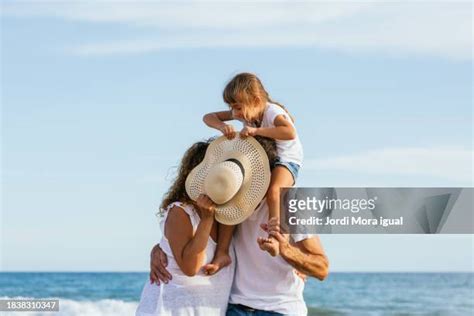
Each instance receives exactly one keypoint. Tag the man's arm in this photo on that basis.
(307, 256)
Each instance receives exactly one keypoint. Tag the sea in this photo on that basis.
(111, 293)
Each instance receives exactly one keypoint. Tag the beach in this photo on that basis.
(342, 293)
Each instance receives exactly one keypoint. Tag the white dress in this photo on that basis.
(199, 295)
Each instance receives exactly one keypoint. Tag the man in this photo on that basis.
(263, 285)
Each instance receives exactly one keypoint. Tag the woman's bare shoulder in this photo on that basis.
(178, 222)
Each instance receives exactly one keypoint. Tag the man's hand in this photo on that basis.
(273, 229)
(307, 256)
(158, 264)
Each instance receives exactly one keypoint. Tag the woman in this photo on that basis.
(189, 241)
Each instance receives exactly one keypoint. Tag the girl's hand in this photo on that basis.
(206, 206)
(228, 131)
(248, 131)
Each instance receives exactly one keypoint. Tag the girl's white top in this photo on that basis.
(184, 295)
(287, 150)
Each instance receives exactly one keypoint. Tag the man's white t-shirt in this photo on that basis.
(262, 281)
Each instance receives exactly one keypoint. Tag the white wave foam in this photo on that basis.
(107, 307)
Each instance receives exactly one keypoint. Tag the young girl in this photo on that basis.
(189, 241)
(251, 104)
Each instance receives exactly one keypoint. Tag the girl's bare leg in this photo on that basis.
(281, 177)
(221, 256)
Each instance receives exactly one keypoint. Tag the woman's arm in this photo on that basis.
(189, 250)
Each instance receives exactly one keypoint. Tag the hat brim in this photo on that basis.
(255, 183)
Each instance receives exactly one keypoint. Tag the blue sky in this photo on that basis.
(101, 99)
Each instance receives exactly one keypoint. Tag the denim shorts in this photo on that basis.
(241, 310)
(292, 167)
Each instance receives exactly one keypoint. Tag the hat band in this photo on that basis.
(238, 164)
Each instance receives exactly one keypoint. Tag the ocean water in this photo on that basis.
(340, 294)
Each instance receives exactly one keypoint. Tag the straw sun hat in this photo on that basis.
(235, 174)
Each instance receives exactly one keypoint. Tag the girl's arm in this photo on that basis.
(216, 119)
(283, 130)
(188, 250)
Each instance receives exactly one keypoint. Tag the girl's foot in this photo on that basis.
(220, 261)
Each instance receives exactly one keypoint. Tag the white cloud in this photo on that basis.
(435, 28)
(187, 14)
(445, 163)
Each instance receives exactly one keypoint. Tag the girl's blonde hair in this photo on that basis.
(247, 90)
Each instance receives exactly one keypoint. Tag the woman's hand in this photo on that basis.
(228, 131)
(248, 131)
(206, 206)
(158, 263)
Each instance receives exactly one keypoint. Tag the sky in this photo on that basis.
(100, 99)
